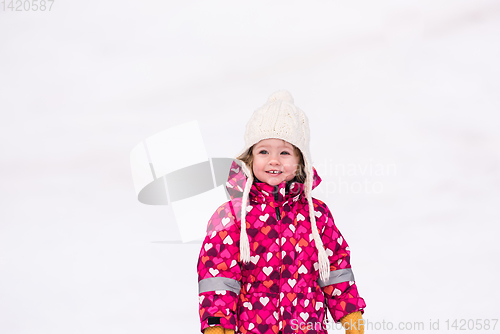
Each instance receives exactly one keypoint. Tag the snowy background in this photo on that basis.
(403, 101)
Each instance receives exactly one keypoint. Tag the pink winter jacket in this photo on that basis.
(279, 290)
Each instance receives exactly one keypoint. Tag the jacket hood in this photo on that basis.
(261, 191)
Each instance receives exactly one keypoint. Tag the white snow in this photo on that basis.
(403, 103)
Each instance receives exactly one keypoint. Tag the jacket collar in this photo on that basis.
(262, 192)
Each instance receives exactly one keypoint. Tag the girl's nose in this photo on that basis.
(274, 161)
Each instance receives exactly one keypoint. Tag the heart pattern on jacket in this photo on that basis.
(279, 284)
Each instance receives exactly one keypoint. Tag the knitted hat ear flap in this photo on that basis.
(323, 261)
(244, 242)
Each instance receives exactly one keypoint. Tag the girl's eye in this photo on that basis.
(263, 152)
(285, 152)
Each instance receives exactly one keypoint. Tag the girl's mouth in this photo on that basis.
(273, 172)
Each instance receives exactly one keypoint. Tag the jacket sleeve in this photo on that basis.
(341, 293)
(219, 271)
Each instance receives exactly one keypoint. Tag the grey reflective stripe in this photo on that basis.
(338, 276)
(219, 283)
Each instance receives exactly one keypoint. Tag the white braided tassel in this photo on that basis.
(323, 260)
(244, 242)
(244, 246)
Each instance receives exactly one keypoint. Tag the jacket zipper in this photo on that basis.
(278, 216)
(276, 209)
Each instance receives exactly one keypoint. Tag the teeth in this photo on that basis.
(273, 172)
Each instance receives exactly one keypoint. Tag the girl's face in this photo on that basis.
(274, 161)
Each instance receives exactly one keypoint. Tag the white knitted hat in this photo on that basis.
(279, 118)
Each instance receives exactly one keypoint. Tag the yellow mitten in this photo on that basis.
(217, 330)
(353, 323)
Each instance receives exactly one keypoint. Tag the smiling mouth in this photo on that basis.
(273, 172)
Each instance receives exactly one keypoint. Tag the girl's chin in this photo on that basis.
(273, 182)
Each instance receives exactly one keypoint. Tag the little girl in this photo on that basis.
(273, 260)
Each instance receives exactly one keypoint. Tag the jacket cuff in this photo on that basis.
(218, 308)
(343, 299)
